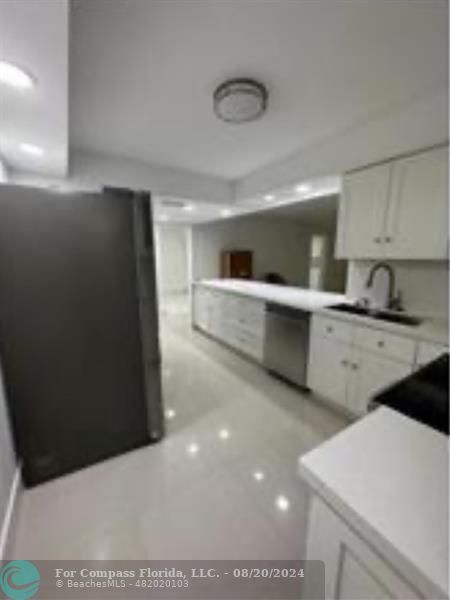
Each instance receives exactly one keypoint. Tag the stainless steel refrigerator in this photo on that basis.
(79, 339)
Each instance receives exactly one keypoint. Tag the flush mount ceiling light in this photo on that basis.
(15, 77)
(240, 100)
(269, 197)
(32, 150)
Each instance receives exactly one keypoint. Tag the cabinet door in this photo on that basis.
(199, 308)
(427, 352)
(418, 209)
(362, 213)
(352, 570)
(327, 370)
(371, 373)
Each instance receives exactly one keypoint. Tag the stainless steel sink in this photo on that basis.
(381, 315)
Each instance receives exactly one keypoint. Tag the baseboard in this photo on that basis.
(7, 525)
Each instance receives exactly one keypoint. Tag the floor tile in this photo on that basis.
(222, 484)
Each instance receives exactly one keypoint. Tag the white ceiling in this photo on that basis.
(143, 73)
(315, 206)
(315, 213)
(182, 211)
(34, 35)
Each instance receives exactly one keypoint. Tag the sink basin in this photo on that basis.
(400, 318)
(381, 315)
(352, 309)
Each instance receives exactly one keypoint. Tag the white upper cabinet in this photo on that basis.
(362, 213)
(416, 226)
(396, 210)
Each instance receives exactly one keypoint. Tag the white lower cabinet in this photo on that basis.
(427, 352)
(236, 321)
(350, 373)
(369, 375)
(353, 571)
(327, 372)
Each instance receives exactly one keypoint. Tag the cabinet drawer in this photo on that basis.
(245, 341)
(387, 344)
(336, 330)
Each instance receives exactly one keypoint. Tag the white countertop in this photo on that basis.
(433, 330)
(296, 297)
(387, 476)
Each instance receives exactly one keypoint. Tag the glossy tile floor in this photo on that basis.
(223, 484)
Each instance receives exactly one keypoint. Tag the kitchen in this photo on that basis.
(268, 378)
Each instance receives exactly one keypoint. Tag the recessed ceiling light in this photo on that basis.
(303, 188)
(15, 77)
(32, 149)
(258, 475)
(189, 207)
(269, 197)
(226, 212)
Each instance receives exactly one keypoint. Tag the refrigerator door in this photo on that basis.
(70, 329)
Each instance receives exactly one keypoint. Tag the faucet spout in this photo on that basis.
(392, 301)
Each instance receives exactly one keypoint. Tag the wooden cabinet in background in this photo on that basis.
(236, 264)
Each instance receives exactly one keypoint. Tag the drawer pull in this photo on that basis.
(330, 329)
(380, 344)
(388, 239)
(355, 366)
(344, 363)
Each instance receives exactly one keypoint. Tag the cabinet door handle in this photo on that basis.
(344, 363)
(380, 344)
(388, 239)
(355, 366)
(330, 329)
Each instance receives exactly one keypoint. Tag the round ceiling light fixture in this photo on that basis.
(240, 100)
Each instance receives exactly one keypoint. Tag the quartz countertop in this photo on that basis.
(387, 476)
(434, 330)
(296, 297)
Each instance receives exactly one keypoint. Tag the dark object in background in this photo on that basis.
(423, 395)
(274, 278)
(236, 264)
(79, 329)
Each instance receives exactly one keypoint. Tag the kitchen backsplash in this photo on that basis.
(424, 285)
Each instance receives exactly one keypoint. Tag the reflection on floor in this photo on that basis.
(223, 484)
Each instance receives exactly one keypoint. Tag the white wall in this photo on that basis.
(172, 269)
(424, 284)
(88, 168)
(7, 461)
(278, 246)
(3, 171)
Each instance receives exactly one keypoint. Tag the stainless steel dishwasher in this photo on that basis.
(286, 342)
